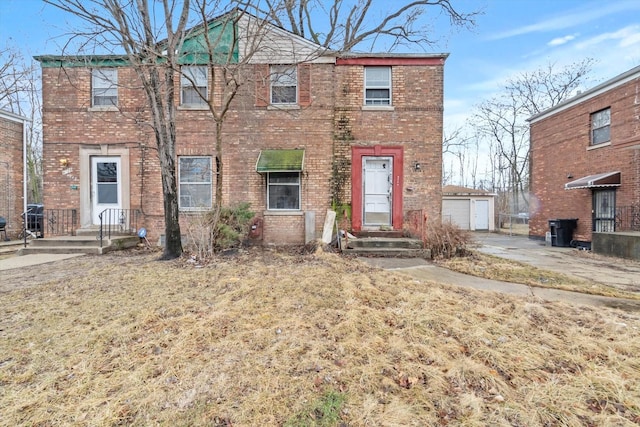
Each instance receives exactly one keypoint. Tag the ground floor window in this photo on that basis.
(195, 183)
(283, 191)
(604, 210)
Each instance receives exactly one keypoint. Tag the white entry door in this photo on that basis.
(377, 180)
(482, 214)
(106, 185)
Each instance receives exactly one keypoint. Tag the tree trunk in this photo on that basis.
(219, 166)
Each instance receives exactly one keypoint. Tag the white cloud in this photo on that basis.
(587, 13)
(625, 37)
(561, 40)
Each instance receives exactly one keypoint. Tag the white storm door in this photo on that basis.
(377, 180)
(106, 185)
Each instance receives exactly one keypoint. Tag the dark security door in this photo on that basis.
(604, 210)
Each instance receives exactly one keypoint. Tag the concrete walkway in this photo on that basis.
(535, 253)
(13, 261)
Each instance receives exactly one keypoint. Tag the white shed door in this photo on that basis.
(482, 214)
(458, 212)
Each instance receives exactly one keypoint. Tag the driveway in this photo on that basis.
(624, 274)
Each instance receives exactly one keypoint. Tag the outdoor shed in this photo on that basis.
(468, 208)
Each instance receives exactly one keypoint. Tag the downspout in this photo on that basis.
(24, 167)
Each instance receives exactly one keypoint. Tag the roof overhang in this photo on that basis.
(601, 180)
(280, 161)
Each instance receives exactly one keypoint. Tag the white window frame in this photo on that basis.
(104, 87)
(208, 181)
(271, 185)
(194, 78)
(380, 84)
(284, 76)
(600, 120)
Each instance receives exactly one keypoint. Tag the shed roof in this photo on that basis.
(457, 190)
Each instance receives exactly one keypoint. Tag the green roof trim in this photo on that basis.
(55, 61)
(194, 51)
(280, 161)
(222, 34)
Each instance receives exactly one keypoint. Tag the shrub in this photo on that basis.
(231, 226)
(447, 240)
(217, 230)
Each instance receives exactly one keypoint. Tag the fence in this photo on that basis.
(513, 223)
(627, 218)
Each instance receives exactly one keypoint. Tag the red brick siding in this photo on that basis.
(11, 176)
(250, 126)
(560, 147)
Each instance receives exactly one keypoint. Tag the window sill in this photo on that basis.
(601, 145)
(193, 107)
(189, 211)
(105, 108)
(275, 107)
(378, 108)
(283, 213)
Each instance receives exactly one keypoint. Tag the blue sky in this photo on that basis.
(512, 36)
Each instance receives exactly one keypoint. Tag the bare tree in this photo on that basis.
(19, 94)
(151, 45)
(349, 24)
(13, 78)
(502, 121)
(547, 87)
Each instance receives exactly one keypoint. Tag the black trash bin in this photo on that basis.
(35, 219)
(562, 231)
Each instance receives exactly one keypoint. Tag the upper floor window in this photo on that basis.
(284, 84)
(195, 183)
(283, 191)
(193, 85)
(377, 86)
(601, 126)
(104, 87)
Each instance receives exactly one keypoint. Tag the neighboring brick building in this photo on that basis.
(362, 130)
(12, 204)
(585, 160)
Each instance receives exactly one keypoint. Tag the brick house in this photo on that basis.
(362, 131)
(585, 157)
(12, 190)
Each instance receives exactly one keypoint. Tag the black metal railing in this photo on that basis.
(60, 222)
(118, 222)
(627, 218)
(38, 222)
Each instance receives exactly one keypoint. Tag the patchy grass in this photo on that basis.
(269, 339)
(491, 267)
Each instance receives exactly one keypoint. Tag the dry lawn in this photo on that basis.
(260, 338)
(491, 267)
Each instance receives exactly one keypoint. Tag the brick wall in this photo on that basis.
(561, 152)
(11, 175)
(330, 121)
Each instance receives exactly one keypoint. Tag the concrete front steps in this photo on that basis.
(82, 244)
(385, 244)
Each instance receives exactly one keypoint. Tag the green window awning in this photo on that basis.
(280, 161)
